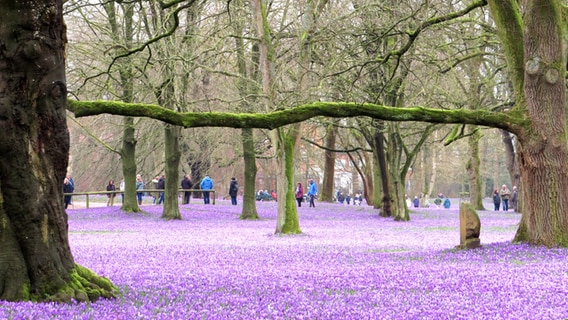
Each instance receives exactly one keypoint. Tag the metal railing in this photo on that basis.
(92, 193)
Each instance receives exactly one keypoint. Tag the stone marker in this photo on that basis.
(470, 227)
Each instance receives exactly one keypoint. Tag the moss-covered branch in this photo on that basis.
(510, 121)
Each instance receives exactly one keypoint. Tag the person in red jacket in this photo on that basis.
(299, 194)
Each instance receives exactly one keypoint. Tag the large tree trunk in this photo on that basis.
(543, 154)
(35, 259)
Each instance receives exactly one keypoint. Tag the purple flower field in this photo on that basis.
(348, 264)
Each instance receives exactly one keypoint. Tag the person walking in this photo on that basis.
(447, 203)
(233, 190)
(312, 192)
(299, 194)
(67, 188)
(505, 196)
(186, 184)
(139, 188)
(161, 187)
(110, 187)
(206, 184)
(155, 194)
(496, 200)
(514, 198)
(72, 183)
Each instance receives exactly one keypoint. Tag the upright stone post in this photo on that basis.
(470, 227)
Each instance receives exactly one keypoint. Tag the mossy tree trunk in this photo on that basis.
(249, 158)
(35, 257)
(287, 221)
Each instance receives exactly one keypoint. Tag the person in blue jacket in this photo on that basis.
(206, 184)
(312, 192)
(447, 203)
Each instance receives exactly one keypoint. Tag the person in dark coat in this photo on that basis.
(67, 188)
(496, 199)
(110, 187)
(233, 190)
(161, 186)
(416, 202)
(186, 184)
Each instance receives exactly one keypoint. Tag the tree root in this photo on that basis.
(84, 285)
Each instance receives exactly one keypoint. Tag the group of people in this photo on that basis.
(504, 196)
(311, 194)
(440, 201)
(159, 183)
(342, 199)
(264, 195)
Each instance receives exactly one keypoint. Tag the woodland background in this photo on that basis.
(132, 50)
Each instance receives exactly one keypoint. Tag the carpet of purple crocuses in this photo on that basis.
(347, 264)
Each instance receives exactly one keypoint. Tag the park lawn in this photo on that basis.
(348, 264)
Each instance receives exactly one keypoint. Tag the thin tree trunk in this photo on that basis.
(128, 157)
(173, 156)
(472, 168)
(512, 164)
(384, 178)
(128, 151)
(327, 189)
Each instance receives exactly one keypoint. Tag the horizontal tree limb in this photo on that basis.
(509, 120)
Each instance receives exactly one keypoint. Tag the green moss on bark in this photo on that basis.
(83, 285)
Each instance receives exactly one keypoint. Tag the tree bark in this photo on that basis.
(128, 151)
(35, 260)
(249, 200)
(128, 157)
(543, 153)
(472, 169)
(381, 158)
(327, 189)
(287, 221)
(173, 156)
